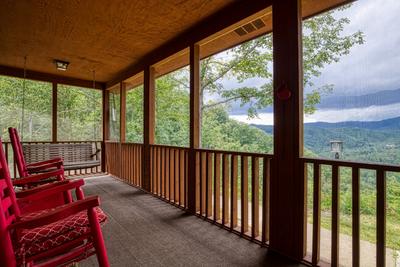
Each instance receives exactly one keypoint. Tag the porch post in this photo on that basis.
(194, 123)
(54, 113)
(106, 127)
(122, 123)
(288, 190)
(148, 123)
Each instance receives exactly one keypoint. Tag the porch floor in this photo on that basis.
(145, 231)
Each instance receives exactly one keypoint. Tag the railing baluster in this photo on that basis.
(162, 167)
(335, 216)
(356, 216)
(167, 193)
(133, 160)
(182, 178)
(380, 217)
(234, 195)
(266, 191)
(217, 187)
(201, 174)
(225, 189)
(186, 177)
(316, 214)
(209, 185)
(152, 173)
(244, 195)
(198, 181)
(176, 174)
(135, 165)
(172, 175)
(138, 166)
(158, 159)
(255, 197)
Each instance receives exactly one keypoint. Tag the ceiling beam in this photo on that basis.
(46, 77)
(224, 18)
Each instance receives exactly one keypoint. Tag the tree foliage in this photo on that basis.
(324, 42)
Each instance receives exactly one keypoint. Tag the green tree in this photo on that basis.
(324, 42)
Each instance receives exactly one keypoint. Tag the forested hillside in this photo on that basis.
(374, 141)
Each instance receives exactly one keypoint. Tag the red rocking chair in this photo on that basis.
(54, 166)
(51, 237)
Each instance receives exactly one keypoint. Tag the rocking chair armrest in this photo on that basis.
(53, 160)
(59, 188)
(37, 177)
(45, 166)
(57, 213)
(40, 188)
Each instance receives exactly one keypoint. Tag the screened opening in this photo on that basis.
(115, 109)
(134, 113)
(236, 98)
(351, 104)
(27, 106)
(79, 114)
(172, 104)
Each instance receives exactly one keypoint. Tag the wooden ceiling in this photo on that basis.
(92, 34)
(115, 37)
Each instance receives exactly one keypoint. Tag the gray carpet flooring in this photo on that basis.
(145, 231)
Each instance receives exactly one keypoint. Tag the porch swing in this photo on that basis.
(75, 156)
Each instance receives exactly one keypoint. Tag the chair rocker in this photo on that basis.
(53, 166)
(50, 237)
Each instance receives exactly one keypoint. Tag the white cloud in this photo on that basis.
(372, 66)
(372, 113)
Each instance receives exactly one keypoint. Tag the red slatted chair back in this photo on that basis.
(18, 152)
(9, 211)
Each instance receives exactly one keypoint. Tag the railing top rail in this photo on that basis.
(171, 147)
(58, 142)
(132, 143)
(356, 164)
(238, 153)
(111, 142)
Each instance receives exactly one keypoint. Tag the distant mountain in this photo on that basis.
(376, 141)
(393, 123)
(381, 98)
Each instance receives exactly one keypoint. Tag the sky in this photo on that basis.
(371, 67)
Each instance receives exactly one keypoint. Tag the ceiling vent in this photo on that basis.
(250, 27)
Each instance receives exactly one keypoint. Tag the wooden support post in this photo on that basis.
(287, 221)
(122, 123)
(54, 114)
(194, 123)
(148, 123)
(122, 117)
(106, 127)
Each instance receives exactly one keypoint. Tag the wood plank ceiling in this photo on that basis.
(112, 37)
(97, 34)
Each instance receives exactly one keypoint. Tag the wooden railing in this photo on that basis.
(169, 173)
(380, 175)
(13, 168)
(232, 190)
(125, 161)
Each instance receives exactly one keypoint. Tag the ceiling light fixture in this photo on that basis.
(61, 65)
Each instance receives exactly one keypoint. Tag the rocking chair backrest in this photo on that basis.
(9, 211)
(18, 152)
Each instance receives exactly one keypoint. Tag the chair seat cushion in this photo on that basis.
(36, 240)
